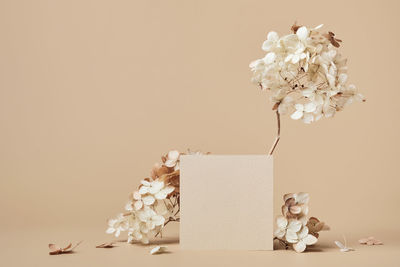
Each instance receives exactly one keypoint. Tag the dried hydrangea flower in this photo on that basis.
(295, 206)
(305, 74)
(301, 239)
(293, 228)
(154, 204)
(286, 226)
(172, 159)
(117, 225)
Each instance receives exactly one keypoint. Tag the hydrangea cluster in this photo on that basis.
(153, 204)
(305, 73)
(293, 228)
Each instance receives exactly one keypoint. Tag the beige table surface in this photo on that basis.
(28, 247)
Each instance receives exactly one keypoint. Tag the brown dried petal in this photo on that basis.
(71, 249)
(163, 170)
(169, 176)
(67, 247)
(287, 196)
(313, 220)
(375, 241)
(54, 247)
(319, 226)
(334, 42)
(295, 27)
(314, 234)
(295, 209)
(106, 245)
(290, 202)
(325, 227)
(154, 170)
(55, 250)
(285, 210)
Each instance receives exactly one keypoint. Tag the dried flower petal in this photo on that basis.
(158, 250)
(106, 245)
(370, 241)
(295, 209)
(55, 250)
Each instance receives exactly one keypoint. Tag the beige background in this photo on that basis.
(93, 92)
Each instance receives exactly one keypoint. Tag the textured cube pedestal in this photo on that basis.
(226, 202)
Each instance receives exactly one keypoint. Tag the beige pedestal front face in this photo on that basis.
(226, 202)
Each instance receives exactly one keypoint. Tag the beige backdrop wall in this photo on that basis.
(93, 92)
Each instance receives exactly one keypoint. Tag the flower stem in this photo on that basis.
(278, 137)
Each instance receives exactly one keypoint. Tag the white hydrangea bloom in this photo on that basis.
(172, 159)
(148, 207)
(305, 74)
(155, 203)
(301, 239)
(286, 227)
(115, 226)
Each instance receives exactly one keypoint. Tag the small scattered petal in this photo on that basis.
(158, 250)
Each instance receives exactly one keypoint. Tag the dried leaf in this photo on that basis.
(106, 245)
(55, 250)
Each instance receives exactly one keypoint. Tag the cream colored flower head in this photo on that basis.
(305, 74)
(155, 202)
(301, 239)
(172, 159)
(296, 206)
(117, 225)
